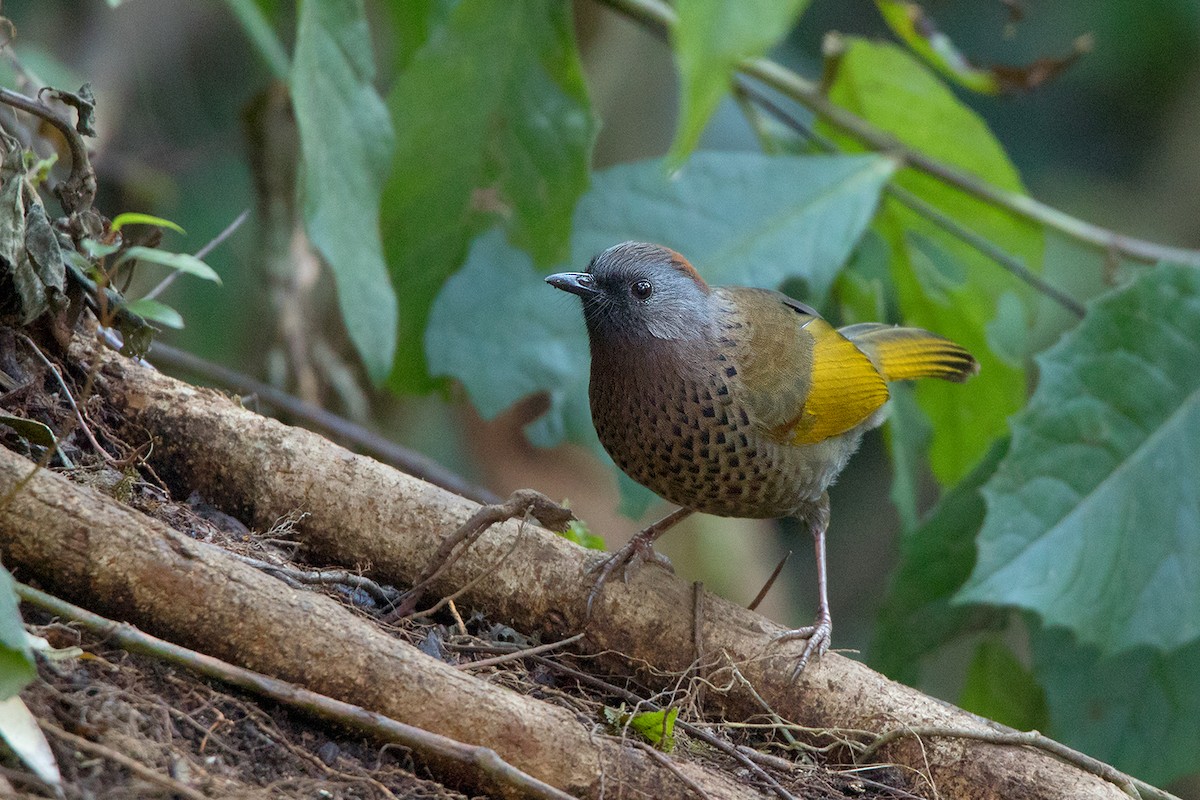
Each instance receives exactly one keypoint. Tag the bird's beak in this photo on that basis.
(580, 283)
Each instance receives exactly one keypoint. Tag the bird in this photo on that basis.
(735, 401)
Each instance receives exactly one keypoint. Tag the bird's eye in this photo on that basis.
(642, 289)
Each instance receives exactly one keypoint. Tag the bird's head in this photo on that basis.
(634, 290)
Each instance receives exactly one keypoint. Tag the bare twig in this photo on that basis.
(325, 422)
(79, 190)
(134, 766)
(458, 620)
(521, 503)
(701, 663)
(657, 14)
(1127, 783)
(449, 599)
(517, 655)
(37, 351)
(762, 593)
(321, 577)
(661, 758)
(213, 244)
(473, 759)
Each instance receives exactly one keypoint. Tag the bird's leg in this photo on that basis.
(819, 633)
(638, 550)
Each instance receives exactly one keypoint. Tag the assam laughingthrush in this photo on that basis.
(734, 401)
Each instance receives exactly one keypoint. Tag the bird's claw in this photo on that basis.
(632, 556)
(819, 635)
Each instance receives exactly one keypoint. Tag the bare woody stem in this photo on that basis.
(79, 190)
(809, 94)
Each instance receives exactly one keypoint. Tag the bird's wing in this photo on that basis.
(804, 382)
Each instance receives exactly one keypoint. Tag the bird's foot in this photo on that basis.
(637, 552)
(819, 635)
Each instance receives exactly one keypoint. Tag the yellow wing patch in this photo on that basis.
(846, 388)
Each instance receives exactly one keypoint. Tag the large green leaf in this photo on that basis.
(908, 434)
(1093, 518)
(1139, 711)
(16, 660)
(936, 558)
(346, 143)
(941, 282)
(744, 218)
(999, 687)
(710, 39)
(493, 122)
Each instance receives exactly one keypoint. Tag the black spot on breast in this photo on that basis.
(730, 371)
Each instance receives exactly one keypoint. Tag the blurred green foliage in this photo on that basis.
(1089, 523)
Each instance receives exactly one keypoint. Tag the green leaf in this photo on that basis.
(30, 429)
(908, 433)
(942, 283)
(137, 218)
(743, 218)
(154, 311)
(258, 29)
(710, 39)
(493, 123)
(181, 262)
(1139, 711)
(656, 727)
(917, 616)
(1093, 516)
(909, 21)
(579, 533)
(346, 143)
(999, 687)
(95, 250)
(917, 29)
(16, 661)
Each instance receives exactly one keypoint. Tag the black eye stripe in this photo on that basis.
(641, 289)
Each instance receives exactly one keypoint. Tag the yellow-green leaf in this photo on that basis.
(710, 39)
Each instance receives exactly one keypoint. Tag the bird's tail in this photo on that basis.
(902, 354)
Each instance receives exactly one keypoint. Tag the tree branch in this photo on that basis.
(809, 94)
